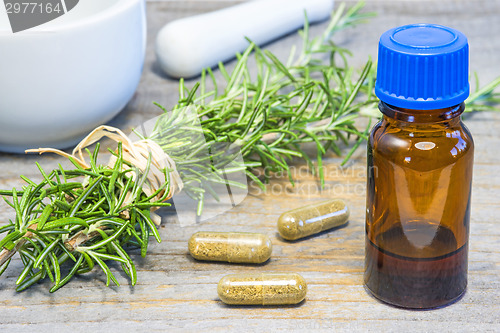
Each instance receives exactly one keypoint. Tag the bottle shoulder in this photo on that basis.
(426, 145)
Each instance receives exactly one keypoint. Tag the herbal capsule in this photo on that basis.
(311, 219)
(237, 247)
(262, 289)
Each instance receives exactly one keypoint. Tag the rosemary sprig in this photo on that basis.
(76, 219)
(484, 98)
(270, 114)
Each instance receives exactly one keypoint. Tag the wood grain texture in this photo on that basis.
(176, 292)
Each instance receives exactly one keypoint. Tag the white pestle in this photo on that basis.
(184, 47)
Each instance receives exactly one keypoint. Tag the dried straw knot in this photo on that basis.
(136, 153)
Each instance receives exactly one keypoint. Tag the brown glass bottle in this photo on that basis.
(418, 201)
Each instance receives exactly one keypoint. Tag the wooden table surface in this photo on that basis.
(175, 291)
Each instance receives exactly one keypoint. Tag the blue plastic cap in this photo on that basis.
(423, 67)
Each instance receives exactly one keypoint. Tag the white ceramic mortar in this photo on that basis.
(61, 79)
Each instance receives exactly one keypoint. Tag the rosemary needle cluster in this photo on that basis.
(75, 219)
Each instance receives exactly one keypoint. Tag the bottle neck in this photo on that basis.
(450, 114)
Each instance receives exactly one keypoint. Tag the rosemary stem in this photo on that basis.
(79, 238)
(6, 254)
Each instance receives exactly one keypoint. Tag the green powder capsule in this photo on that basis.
(236, 247)
(262, 289)
(312, 219)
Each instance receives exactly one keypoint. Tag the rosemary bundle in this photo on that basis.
(85, 216)
(75, 219)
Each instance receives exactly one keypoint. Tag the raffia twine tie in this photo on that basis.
(134, 152)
